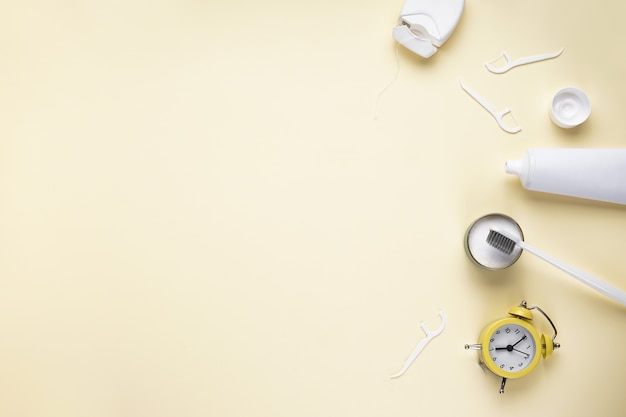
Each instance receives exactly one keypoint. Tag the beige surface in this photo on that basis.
(201, 215)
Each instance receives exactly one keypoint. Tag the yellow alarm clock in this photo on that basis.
(511, 347)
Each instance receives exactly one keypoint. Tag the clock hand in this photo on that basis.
(523, 353)
(511, 348)
(516, 343)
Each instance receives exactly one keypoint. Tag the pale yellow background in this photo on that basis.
(202, 212)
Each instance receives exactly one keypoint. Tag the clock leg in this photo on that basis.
(502, 384)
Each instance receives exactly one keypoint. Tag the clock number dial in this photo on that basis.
(512, 348)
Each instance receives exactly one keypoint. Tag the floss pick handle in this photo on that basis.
(430, 335)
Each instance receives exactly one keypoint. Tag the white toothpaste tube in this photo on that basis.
(595, 174)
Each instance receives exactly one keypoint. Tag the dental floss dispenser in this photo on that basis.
(424, 25)
(595, 174)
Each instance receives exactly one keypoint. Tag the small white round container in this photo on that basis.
(482, 253)
(570, 107)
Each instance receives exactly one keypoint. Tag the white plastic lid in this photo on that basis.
(570, 107)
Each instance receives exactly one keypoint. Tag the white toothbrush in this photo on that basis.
(506, 242)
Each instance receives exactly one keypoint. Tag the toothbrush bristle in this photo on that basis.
(500, 242)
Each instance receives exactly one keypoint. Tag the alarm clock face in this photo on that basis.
(511, 349)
